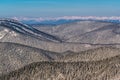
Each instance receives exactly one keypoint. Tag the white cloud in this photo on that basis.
(68, 18)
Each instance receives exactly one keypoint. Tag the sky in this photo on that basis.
(57, 8)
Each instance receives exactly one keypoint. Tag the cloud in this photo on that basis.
(68, 18)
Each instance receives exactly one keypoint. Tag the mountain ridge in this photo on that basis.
(107, 69)
(25, 29)
(14, 56)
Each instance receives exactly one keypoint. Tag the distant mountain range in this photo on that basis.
(91, 32)
(47, 22)
(64, 20)
(74, 36)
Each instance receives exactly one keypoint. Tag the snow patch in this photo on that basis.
(117, 35)
(13, 34)
(6, 30)
(1, 36)
(87, 45)
(3, 33)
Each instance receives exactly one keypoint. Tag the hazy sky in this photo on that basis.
(54, 8)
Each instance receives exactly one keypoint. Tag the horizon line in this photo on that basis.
(66, 18)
